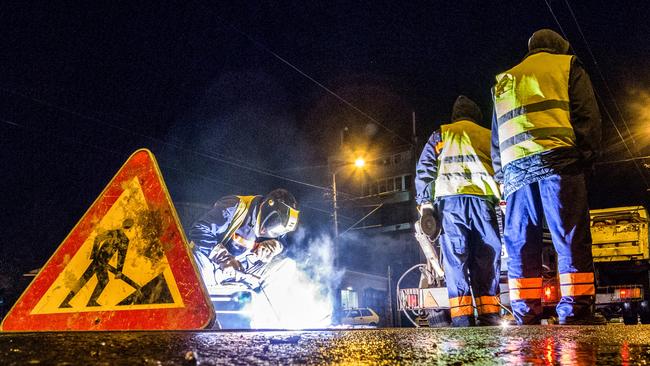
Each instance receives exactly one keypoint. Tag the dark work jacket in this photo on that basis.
(209, 230)
(586, 123)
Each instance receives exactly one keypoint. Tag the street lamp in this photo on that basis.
(358, 163)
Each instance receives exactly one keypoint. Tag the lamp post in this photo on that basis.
(335, 208)
(358, 163)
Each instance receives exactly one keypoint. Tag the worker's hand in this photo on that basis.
(267, 249)
(229, 265)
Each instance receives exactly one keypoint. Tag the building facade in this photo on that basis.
(375, 211)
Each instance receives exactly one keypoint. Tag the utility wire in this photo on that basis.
(623, 160)
(611, 95)
(298, 70)
(363, 218)
(110, 151)
(609, 90)
(219, 157)
(600, 99)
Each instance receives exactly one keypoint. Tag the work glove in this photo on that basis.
(229, 264)
(267, 249)
(226, 262)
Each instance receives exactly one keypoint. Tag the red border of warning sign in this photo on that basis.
(197, 313)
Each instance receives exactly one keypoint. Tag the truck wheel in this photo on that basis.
(644, 312)
(645, 318)
(630, 319)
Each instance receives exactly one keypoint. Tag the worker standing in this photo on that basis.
(454, 178)
(546, 131)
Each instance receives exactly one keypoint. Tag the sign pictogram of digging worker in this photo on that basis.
(105, 247)
(120, 265)
(125, 265)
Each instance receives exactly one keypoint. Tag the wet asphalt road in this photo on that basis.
(543, 345)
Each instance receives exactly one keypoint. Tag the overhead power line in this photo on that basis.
(328, 90)
(212, 156)
(110, 151)
(600, 99)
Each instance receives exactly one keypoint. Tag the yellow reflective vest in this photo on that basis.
(531, 102)
(464, 163)
(241, 211)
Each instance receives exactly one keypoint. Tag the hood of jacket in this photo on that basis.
(549, 41)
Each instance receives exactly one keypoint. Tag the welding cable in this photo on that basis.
(397, 288)
(501, 304)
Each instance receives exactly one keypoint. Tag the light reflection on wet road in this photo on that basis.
(537, 345)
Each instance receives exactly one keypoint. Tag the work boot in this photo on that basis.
(591, 319)
(463, 321)
(486, 320)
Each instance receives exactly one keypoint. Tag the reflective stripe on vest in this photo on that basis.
(461, 306)
(577, 284)
(464, 164)
(525, 288)
(531, 102)
(487, 304)
(238, 219)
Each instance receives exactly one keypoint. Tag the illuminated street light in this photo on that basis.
(359, 163)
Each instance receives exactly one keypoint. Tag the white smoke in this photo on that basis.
(299, 293)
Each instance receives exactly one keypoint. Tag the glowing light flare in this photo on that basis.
(550, 294)
(360, 162)
(549, 352)
(291, 300)
(547, 293)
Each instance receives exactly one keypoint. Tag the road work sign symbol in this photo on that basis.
(125, 266)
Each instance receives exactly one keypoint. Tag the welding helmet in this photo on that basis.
(277, 214)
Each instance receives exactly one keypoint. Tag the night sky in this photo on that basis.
(221, 91)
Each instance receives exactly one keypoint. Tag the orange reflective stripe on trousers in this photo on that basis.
(577, 284)
(461, 306)
(487, 304)
(525, 288)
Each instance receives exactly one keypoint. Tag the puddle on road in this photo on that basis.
(543, 345)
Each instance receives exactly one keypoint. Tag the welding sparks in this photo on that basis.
(298, 293)
(291, 300)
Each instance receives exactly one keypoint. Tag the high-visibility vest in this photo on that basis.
(531, 101)
(241, 211)
(464, 164)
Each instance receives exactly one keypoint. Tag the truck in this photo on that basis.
(621, 252)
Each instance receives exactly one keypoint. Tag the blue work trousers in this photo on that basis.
(471, 253)
(562, 201)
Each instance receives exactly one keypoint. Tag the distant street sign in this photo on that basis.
(125, 266)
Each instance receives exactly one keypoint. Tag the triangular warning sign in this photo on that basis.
(125, 266)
